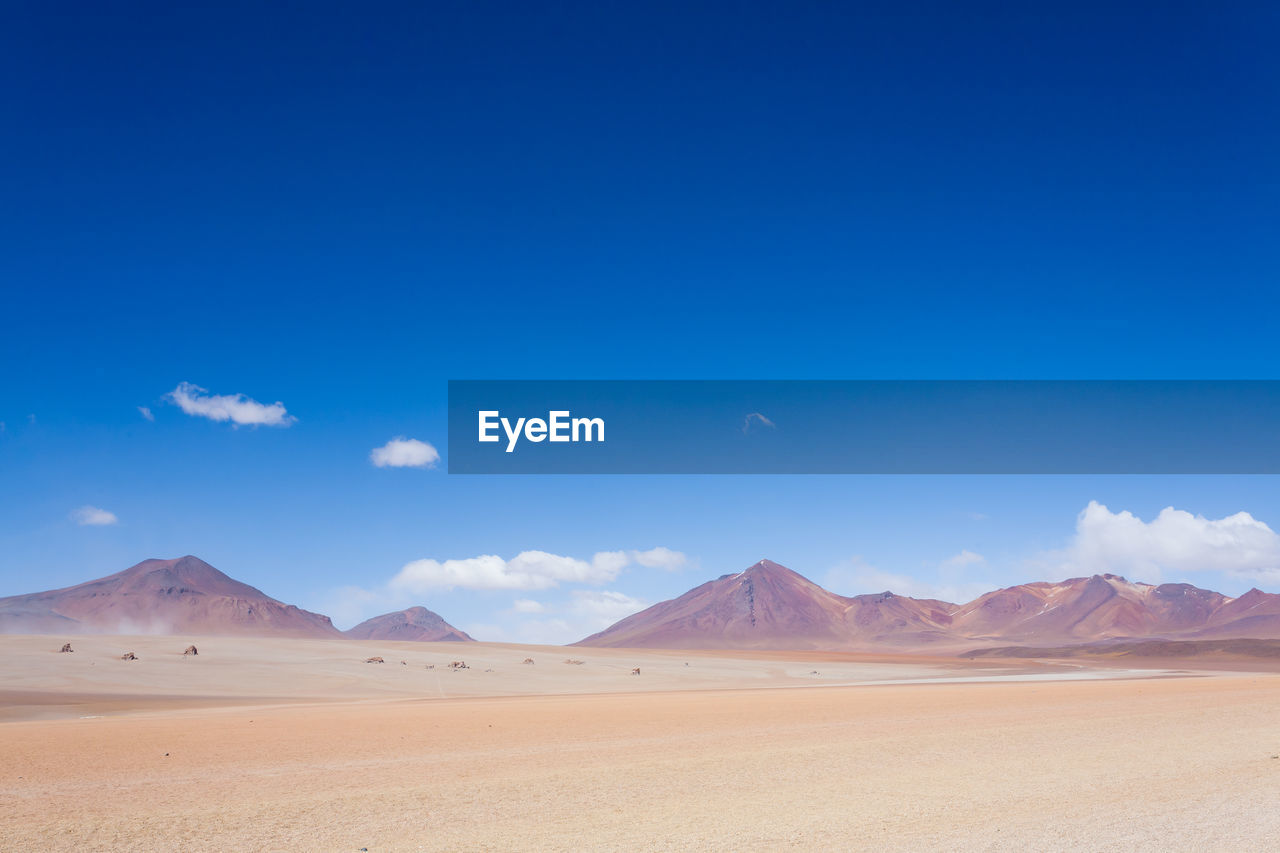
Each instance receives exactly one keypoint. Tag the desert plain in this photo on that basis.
(281, 744)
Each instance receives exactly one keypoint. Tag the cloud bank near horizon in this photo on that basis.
(419, 581)
(1175, 541)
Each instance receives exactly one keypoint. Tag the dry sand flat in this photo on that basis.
(1159, 764)
(38, 682)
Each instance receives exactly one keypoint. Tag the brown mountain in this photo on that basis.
(416, 623)
(768, 606)
(186, 595)
(1089, 609)
(771, 607)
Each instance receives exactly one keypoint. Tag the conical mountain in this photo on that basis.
(768, 606)
(184, 595)
(416, 623)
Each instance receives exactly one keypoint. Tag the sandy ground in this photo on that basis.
(299, 745)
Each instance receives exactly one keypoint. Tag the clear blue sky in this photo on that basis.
(341, 208)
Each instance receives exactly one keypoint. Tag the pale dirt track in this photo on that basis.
(1154, 764)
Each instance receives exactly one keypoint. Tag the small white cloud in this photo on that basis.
(601, 608)
(660, 558)
(528, 605)
(92, 516)
(237, 408)
(146, 413)
(964, 558)
(1174, 541)
(756, 418)
(610, 562)
(401, 452)
(857, 577)
(587, 612)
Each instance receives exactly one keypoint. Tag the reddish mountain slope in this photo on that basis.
(1086, 610)
(1254, 614)
(416, 623)
(185, 595)
(771, 607)
(768, 606)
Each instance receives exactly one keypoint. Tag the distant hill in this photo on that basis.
(1240, 648)
(768, 606)
(416, 623)
(185, 595)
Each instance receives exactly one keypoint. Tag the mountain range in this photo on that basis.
(768, 606)
(188, 596)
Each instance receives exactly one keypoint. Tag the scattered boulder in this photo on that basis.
(66, 647)
(190, 650)
(635, 670)
(374, 659)
(128, 656)
(458, 664)
(527, 660)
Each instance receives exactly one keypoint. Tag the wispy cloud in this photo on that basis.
(92, 516)
(964, 558)
(856, 576)
(756, 418)
(660, 558)
(401, 452)
(237, 408)
(146, 413)
(527, 605)
(586, 612)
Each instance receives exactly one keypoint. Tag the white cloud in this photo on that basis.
(601, 608)
(611, 561)
(856, 576)
(660, 558)
(964, 558)
(1174, 541)
(756, 418)
(146, 413)
(423, 580)
(92, 516)
(527, 570)
(401, 452)
(527, 605)
(236, 408)
(587, 612)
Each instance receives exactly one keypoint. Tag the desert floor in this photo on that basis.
(300, 745)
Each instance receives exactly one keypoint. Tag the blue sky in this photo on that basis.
(341, 209)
